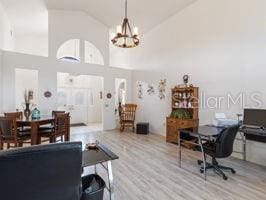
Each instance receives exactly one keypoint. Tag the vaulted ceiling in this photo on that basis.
(145, 14)
(27, 16)
(30, 16)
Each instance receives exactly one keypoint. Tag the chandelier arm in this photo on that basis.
(126, 22)
(130, 30)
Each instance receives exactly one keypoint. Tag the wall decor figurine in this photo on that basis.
(185, 79)
(150, 89)
(185, 82)
(161, 88)
(140, 90)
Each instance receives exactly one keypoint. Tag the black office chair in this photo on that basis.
(222, 147)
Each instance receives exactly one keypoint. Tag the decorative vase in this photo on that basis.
(27, 110)
(36, 114)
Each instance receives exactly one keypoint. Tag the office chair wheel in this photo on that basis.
(233, 171)
(200, 162)
(225, 177)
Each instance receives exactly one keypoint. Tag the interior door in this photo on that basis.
(64, 99)
(74, 101)
(79, 105)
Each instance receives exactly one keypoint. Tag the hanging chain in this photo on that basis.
(126, 9)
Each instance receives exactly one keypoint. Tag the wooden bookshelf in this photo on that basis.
(184, 100)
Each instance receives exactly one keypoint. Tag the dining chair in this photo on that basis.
(60, 128)
(17, 115)
(10, 134)
(127, 117)
(56, 112)
(51, 126)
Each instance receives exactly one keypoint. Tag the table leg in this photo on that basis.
(34, 133)
(203, 157)
(95, 169)
(110, 180)
(179, 149)
(67, 136)
(244, 147)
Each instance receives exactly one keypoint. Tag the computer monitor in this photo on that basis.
(255, 117)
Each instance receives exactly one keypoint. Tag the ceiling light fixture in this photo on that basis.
(124, 37)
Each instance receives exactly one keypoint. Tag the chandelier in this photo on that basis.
(125, 37)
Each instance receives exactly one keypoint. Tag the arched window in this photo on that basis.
(92, 54)
(69, 51)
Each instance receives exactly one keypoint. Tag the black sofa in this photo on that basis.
(44, 172)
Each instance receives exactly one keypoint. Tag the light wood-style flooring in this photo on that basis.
(148, 170)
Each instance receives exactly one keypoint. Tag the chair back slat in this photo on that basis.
(56, 112)
(17, 115)
(129, 112)
(8, 127)
(61, 123)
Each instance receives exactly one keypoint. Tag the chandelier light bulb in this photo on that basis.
(119, 29)
(136, 31)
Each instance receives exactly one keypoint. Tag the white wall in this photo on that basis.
(220, 44)
(6, 38)
(65, 25)
(47, 70)
(32, 44)
(1, 83)
(25, 80)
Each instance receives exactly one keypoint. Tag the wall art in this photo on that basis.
(150, 89)
(161, 88)
(109, 96)
(47, 94)
(140, 90)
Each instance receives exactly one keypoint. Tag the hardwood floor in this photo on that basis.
(148, 170)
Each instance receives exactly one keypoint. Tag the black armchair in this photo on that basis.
(42, 172)
(222, 147)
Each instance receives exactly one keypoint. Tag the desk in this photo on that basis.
(100, 156)
(201, 133)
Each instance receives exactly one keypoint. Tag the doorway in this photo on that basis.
(81, 96)
(120, 96)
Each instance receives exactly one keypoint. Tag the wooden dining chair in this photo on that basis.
(60, 129)
(10, 134)
(17, 115)
(56, 112)
(127, 117)
(51, 126)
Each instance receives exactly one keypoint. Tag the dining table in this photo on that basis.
(34, 125)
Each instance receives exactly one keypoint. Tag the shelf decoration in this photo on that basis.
(150, 89)
(161, 88)
(140, 90)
